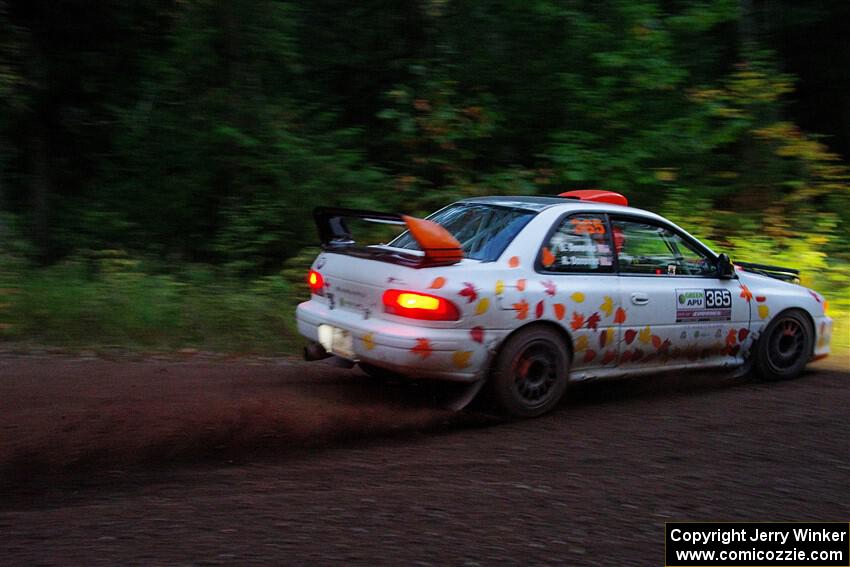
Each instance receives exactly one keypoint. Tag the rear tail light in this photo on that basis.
(316, 282)
(419, 306)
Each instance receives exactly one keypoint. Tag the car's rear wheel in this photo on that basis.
(530, 373)
(784, 347)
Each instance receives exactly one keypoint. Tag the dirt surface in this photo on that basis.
(239, 462)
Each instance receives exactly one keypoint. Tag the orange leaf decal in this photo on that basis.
(422, 348)
(521, 309)
(577, 322)
(514, 262)
(538, 310)
(620, 315)
(437, 283)
(732, 337)
(559, 311)
(589, 355)
(368, 341)
(461, 358)
(547, 258)
(520, 285)
(656, 342)
(746, 293)
(609, 357)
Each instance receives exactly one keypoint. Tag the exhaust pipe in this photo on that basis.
(315, 351)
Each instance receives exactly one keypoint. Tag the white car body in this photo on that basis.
(612, 324)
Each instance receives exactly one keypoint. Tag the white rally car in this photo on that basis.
(530, 293)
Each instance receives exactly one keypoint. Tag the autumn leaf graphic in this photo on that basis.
(620, 316)
(477, 334)
(520, 285)
(549, 287)
(538, 310)
(521, 309)
(630, 336)
(746, 293)
(578, 297)
(437, 283)
(560, 311)
(461, 358)
(589, 355)
(482, 306)
(422, 348)
(593, 321)
(577, 322)
(469, 292)
(607, 306)
(581, 343)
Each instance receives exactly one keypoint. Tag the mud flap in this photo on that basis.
(464, 397)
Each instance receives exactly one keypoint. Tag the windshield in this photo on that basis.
(484, 231)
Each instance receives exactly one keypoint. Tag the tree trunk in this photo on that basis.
(40, 188)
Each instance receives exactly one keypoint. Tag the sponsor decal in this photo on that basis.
(703, 305)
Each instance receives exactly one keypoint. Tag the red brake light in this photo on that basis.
(419, 306)
(316, 282)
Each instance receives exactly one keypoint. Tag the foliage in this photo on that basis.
(203, 133)
(110, 300)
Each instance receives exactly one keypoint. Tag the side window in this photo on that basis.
(644, 248)
(580, 244)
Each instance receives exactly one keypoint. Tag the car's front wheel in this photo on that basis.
(530, 373)
(784, 347)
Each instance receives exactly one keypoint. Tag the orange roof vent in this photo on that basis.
(597, 195)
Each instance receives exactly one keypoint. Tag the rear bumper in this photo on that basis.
(444, 354)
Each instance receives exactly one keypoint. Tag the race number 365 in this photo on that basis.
(715, 298)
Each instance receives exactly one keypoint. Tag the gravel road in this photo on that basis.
(239, 462)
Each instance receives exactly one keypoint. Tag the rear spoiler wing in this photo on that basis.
(439, 246)
(775, 272)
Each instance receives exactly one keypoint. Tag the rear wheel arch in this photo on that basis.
(530, 370)
(568, 339)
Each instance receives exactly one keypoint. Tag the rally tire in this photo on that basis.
(530, 374)
(784, 347)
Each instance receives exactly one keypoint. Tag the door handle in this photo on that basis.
(640, 298)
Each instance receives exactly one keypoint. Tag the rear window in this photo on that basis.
(484, 231)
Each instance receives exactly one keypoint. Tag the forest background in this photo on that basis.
(159, 160)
